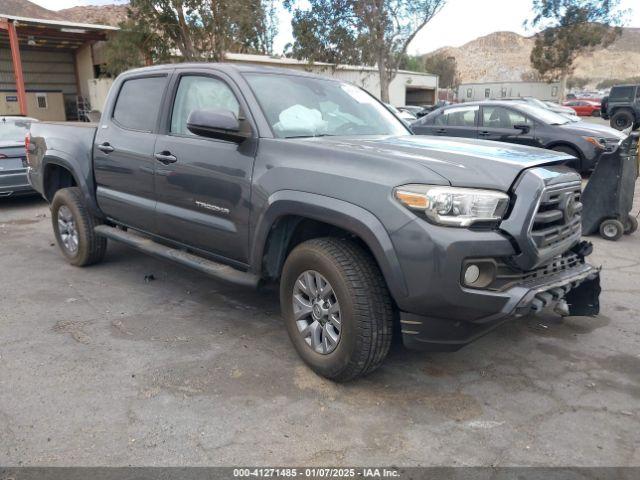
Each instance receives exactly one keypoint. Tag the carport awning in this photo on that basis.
(22, 32)
(51, 33)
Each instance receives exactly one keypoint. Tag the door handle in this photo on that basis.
(165, 157)
(441, 130)
(106, 147)
(484, 133)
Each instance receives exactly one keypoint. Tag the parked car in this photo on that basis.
(415, 110)
(327, 192)
(13, 160)
(554, 107)
(622, 107)
(402, 114)
(584, 108)
(517, 122)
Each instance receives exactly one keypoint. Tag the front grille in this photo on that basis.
(558, 217)
(508, 276)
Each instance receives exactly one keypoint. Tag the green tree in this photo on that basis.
(571, 28)
(132, 46)
(207, 29)
(369, 32)
(445, 67)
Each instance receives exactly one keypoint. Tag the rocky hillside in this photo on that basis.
(103, 14)
(504, 56)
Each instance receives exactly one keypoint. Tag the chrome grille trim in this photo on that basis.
(557, 219)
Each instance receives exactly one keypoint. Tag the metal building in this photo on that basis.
(45, 66)
(469, 92)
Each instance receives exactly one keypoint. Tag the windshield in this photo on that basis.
(310, 107)
(538, 103)
(13, 130)
(544, 115)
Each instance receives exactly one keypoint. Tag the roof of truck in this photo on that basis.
(231, 67)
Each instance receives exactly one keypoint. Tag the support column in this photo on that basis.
(17, 67)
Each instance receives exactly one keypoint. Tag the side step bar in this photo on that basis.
(214, 269)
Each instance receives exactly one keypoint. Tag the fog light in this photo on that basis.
(471, 274)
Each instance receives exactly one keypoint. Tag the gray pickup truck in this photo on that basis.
(256, 175)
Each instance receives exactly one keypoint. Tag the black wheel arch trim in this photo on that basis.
(86, 186)
(338, 213)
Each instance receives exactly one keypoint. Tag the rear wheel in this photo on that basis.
(622, 119)
(611, 229)
(73, 226)
(595, 113)
(632, 225)
(336, 308)
(575, 164)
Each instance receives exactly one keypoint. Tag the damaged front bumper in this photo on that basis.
(573, 291)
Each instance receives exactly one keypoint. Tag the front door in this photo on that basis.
(203, 185)
(123, 153)
(504, 124)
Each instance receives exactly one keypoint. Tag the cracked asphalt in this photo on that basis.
(100, 367)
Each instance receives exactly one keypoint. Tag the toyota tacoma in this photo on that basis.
(255, 175)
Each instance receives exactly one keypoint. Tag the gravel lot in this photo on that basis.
(100, 367)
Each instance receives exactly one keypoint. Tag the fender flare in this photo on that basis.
(339, 213)
(61, 159)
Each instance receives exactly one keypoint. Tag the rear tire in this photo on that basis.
(632, 225)
(595, 113)
(575, 164)
(622, 119)
(73, 226)
(364, 307)
(611, 229)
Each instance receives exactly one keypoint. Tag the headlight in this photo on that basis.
(452, 206)
(596, 142)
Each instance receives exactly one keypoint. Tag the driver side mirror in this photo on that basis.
(216, 123)
(523, 128)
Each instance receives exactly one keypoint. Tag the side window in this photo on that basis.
(501, 117)
(200, 93)
(554, 91)
(469, 93)
(621, 93)
(637, 92)
(138, 103)
(460, 117)
(487, 92)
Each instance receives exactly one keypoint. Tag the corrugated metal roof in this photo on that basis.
(57, 23)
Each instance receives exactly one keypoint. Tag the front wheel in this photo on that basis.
(73, 226)
(336, 308)
(611, 229)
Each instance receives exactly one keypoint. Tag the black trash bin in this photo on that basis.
(608, 197)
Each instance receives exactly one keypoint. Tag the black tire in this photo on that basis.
(632, 225)
(611, 229)
(90, 247)
(595, 113)
(622, 119)
(366, 312)
(575, 164)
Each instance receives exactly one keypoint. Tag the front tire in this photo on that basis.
(575, 164)
(336, 308)
(622, 119)
(73, 226)
(611, 229)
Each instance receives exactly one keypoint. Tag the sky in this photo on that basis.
(459, 22)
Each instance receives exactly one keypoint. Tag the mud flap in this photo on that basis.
(584, 300)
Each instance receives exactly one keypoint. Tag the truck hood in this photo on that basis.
(463, 162)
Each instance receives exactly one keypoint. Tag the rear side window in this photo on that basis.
(458, 117)
(621, 93)
(138, 103)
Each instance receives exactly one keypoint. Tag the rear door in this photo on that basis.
(204, 187)
(453, 122)
(123, 152)
(500, 123)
